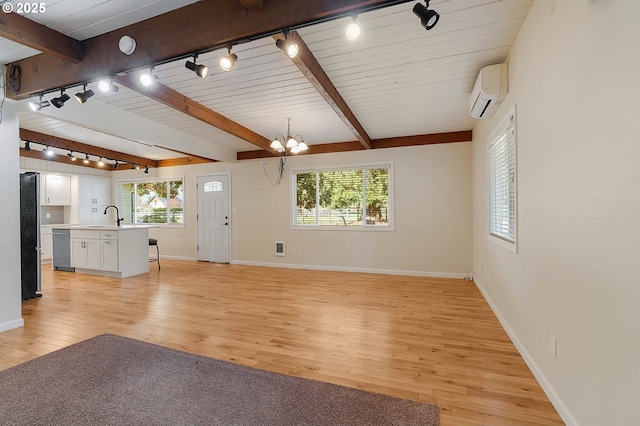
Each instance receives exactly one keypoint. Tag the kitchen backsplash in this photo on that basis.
(52, 215)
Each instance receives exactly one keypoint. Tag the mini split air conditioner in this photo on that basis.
(489, 91)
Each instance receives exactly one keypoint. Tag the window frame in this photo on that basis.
(136, 181)
(502, 239)
(336, 168)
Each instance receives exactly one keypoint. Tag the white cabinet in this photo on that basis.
(93, 198)
(117, 252)
(109, 241)
(55, 190)
(46, 243)
(86, 250)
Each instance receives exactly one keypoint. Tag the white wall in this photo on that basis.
(432, 207)
(10, 287)
(573, 74)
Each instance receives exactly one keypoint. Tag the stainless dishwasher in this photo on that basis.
(62, 250)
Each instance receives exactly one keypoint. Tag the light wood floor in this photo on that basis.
(425, 339)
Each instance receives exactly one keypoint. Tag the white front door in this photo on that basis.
(213, 218)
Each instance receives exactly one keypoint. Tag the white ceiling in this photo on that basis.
(398, 79)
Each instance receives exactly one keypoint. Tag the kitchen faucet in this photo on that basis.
(118, 218)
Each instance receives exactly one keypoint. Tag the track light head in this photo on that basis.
(428, 18)
(48, 151)
(200, 70)
(71, 156)
(146, 169)
(100, 162)
(127, 45)
(352, 31)
(86, 159)
(60, 100)
(116, 165)
(227, 61)
(83, 97)
(148, 79)
(27, 146)
(287, 46)
(37, 106)
(106, 86)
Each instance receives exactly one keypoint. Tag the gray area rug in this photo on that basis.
(114, 380)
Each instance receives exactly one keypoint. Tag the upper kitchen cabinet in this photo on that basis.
(55, 190)
(93, 197)
(93, 191)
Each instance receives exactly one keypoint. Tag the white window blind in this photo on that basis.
(502, 182)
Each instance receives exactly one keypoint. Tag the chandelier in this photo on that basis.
(289, 143)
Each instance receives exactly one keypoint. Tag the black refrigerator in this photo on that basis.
(30, 234)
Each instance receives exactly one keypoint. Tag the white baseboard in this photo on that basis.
(192, 259)
(10, 325)
(459, 275)
(555, 399)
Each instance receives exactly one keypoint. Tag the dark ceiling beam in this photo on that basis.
(325, 148)
(310, 67)
(180, 102)
(199, 27)
(252, 5)
(434, 138)
(183, 161)
(56, 142)
(40, 155)
(37, 36)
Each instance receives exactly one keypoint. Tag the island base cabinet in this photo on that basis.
(116, 253)
(109, 255)
(85, 253)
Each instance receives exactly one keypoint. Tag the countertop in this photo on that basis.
(105, 227)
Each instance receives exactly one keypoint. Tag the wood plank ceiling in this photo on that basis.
(397, 85)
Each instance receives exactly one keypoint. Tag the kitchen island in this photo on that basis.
(114, 251)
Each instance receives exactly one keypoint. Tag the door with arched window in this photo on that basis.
(213, 218)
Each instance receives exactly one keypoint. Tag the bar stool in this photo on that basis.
(154, 242)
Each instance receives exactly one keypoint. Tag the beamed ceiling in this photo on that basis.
(397, 85)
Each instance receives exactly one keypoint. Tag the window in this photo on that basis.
(502, 181)
(157, 201)
(354, 198)
(214, 186)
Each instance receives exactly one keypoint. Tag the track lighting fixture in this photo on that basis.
(116, 165)
(100, 162)
(84, 96)
(352, 32)
(127, 45)
(86, 159)
(148, 78)
(428, 18)
(27, 146)
(106, 86)
(200, 70)
(48, 151)
(60, 100)
(37, 106)
(71, 156)
(287, 46)
(146, 169)
(227, 61)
